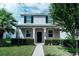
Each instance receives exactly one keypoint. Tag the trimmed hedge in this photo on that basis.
(53, 42)
(22, 41)
(5, 42)
(30, 41)
(48, 42)
(11, 42)
(64, 42)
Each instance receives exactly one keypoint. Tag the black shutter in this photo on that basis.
(31, 19)
(24, 19)
(46, 19)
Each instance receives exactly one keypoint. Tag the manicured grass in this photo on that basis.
(56, 51)
(26, 50)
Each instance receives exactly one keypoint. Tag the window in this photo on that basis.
(50, 33)
(28, 33)
(49, 19)
(28, 19)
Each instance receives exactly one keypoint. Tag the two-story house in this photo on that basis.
(38, 26)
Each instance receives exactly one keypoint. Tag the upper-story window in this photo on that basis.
(49, 19)
(28, 19)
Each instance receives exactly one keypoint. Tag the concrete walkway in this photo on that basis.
(38, 50)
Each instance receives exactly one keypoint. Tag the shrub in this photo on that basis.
(71, 50)
(30, 42)
(48, 42)
(57, 42)
(22, 41)
(5, 42)
(14, 41)
(64, 42)
(53, 41)
(69, 43)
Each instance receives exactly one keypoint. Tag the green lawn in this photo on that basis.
(17, 50)
(56, 51)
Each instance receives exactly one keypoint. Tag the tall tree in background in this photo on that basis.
(7, 22)
(64, 15)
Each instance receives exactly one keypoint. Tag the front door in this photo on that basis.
(39, 37)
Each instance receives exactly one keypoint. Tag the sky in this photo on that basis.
(18, 8)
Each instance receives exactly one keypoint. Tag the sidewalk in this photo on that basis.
(38, 50)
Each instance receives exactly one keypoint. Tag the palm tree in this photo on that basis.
(7, 22)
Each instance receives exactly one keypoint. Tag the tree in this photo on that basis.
(7, 22)
(65, 15)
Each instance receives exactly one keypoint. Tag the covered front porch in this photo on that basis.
(39, 34)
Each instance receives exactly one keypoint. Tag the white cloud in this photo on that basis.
(36, 8)
(17, 9)
(14, 7)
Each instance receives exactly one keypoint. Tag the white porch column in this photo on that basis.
(44, 34)
(34, 34)
(17, 32)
